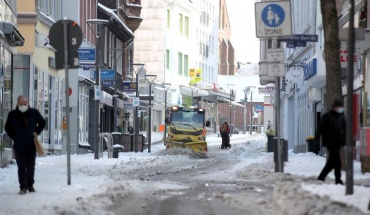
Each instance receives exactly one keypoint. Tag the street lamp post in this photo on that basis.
(251, 111)
(100, 23)
(193, 89)
(246, 90)
(115, 96)
(231, 87)
(166, 86)
(150, 79)
(137, 107)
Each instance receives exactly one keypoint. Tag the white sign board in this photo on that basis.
(159, 94)
(128, 104)
(97, 92)
(273, 19)
(294, 74)
(135, 101)
(263, 68)
(275, 69)
(266, 90)
(274, 55)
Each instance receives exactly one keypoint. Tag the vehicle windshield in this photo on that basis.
(181, 119)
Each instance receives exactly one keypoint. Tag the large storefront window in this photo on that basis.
(59, 88)
(48, 98)
(83, 112)
(5, 91)
(42, 100)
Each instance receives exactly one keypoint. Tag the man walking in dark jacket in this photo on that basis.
(22, 125)
(332, 128)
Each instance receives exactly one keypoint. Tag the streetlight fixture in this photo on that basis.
(115, 96)
(140, 65)
(150, 79)
(193, 89)
(100, 25)
(166, 86)
(231, 87)
(251, 111)
(246, 91)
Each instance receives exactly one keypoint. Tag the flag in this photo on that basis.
(197, 78)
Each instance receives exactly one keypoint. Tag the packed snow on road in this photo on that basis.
(240, 180)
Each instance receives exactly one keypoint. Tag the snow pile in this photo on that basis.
(291, 199)
(359, 199)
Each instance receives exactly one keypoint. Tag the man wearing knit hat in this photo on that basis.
(332, 128)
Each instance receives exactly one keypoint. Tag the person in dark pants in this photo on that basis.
(225, 132)
(332, 128)
(22, 125)
(130, 129)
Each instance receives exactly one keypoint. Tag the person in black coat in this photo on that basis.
(22, 125)
(332, 128)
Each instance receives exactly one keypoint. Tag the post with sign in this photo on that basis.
(273, 20)
(67, 48)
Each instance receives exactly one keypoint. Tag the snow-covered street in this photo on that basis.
(240, 180)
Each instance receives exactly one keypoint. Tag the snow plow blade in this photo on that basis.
(199, 148)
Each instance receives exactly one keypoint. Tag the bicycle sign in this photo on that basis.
(273, 19)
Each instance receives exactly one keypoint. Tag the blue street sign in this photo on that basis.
(107, 83)
(129, 86)
(107, 77)
(258, 107)
(86, 54)
(86, 58)
(273, 15)
(107, 74)
(293, 44)
(300, 38)
(310, 69)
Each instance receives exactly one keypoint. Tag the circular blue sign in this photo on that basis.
(273, 15)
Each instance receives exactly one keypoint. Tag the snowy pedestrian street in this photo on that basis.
(240, 180)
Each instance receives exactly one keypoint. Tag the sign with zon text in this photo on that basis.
(273, 19)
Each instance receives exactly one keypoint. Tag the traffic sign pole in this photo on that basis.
(67, 47)
(65, 37)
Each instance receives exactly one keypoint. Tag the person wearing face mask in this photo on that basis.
(22, 125)
(332, 129)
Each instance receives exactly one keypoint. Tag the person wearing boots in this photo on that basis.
(22, 125)
(225, 131)
(332, 129)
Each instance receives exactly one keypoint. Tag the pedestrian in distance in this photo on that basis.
(268, 125)
(225, 132)
(23, 125)
(332, 129)
(130, 129)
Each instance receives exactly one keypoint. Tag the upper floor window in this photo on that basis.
(187, 27)
(51, 7)
(180, 24)
(168, 19)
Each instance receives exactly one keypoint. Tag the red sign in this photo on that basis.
(69, 91)
(344, 56)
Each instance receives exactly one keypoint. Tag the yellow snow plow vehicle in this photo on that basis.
(187, 129)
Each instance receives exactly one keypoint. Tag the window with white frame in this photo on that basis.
(167, 59)
(168, 19)
(83, 115)
(180, 66)
(59, 89)
(42, 100)
(181, 24)
(186, 27)
(186, 65)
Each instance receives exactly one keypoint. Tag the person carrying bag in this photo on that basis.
(23, 125)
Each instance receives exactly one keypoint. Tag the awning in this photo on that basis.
(232, 103)
(216, 96)
(115, 25)
(195, 92)
(12, 35)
